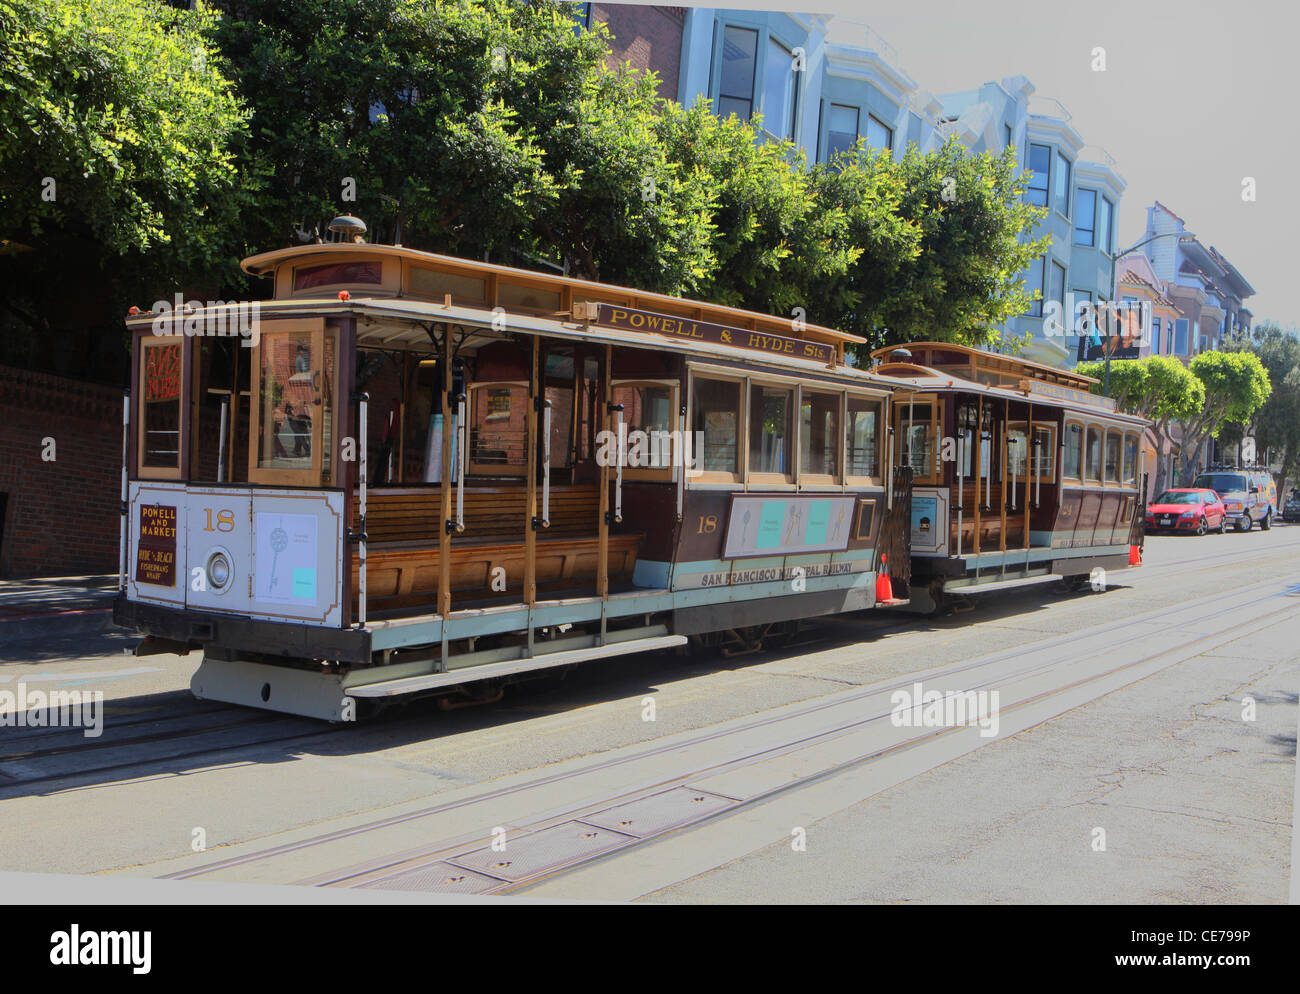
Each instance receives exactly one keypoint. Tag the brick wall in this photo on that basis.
(648, 38)
(60, 517)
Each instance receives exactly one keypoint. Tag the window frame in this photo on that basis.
(721, 61)
(831, 106)
(292, 477)
(889, 132)
(1049, 477)
(853, 479)
(715, 476)
(1031, 187)
(1060, 196)
(1079, 192)
(765, 479)
(1134, 439)
(1086, 469)
(934, 477)
(806, 480)
(493, 469)
(184, 406)
(1118, 435)
(1083, 438)
(663, 474)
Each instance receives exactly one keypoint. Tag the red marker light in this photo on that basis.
(344, 295)
(133, 310)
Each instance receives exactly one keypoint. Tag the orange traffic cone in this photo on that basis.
(884, 589)
(1135, 555)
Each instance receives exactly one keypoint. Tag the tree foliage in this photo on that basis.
(484, 129)
(1158, 388)
(116, 165)
(1236, 386)
(1276, 424)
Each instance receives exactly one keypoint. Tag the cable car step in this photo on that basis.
(486, 671)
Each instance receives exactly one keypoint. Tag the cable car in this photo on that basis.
(410, 474)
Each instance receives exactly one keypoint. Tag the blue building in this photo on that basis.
(823, 81)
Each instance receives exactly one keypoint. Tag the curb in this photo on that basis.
(55, 624)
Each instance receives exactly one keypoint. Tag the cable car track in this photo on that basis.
(372, 871)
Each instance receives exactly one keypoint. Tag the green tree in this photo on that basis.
(475, 127)
(1158, 388)
(1276, 425)
(1236, 386)
(966, 277)
(117, 168)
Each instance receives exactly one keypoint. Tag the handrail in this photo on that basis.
(221, 440)
(961, 481)
(363, 405)
(126, 454)
(621, 436)
(682, 453)
(462, 430)
(546, 463)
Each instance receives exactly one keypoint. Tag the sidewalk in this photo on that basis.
(56, 606)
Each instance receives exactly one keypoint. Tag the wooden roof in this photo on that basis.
(267, 263)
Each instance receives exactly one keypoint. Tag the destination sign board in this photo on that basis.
(702, 331)
(155, 557)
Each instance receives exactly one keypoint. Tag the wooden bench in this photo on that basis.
(402, 556)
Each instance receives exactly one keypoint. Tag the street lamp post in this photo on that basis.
(1183, 238)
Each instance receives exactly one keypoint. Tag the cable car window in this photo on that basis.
(862, 437)
(771, 427)
(819, 435)
(715, 411)
(1130, 460)
(648, 413)
(498, 429)
(1071, 469)
(1092, 456)
(1045, 456)
(160, 444)
(287, 388)
(917, 430)
(1113, 442)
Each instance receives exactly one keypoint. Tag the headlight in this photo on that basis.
(1188, 514)
(220, 570)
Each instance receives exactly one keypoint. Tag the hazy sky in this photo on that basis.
(1196, 96)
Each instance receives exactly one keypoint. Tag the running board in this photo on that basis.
(488, 671)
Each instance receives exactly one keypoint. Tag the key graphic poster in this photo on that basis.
(779, 526)
(286, 558)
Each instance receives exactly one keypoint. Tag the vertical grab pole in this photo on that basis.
(546, 464)
(462, 439)
(961, 481)
(221, 441)
(363, 405)
(126, 455)
(889, 469)
(682, 461)
(621, 435)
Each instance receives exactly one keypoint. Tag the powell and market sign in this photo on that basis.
(700, 331)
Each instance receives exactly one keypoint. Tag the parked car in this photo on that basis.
(1184, 510)
(1249, 496)
(1291, 509)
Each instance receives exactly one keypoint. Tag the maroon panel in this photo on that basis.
(1089, 516)
(651, 509)
(502, 361)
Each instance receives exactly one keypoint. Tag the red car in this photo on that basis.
(1187, 510)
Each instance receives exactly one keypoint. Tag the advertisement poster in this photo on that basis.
(778, 526)
(286, 558)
